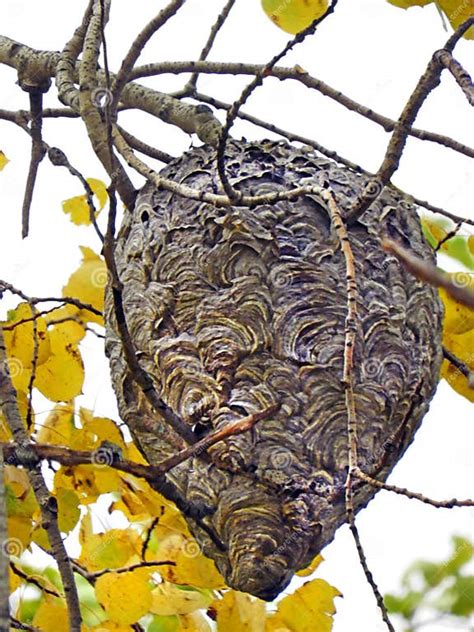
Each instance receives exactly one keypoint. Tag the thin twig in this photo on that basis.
(34, 300)
(59, 159)
(427, 83)
(456, 284)
(460, 366)
(238, 427)
(34, 363)
(249, 89)
(449, 235)
(19, 625)
(144, 148)
(29, 579)
(92, 577)
(402, 491)
(4, 574)
(37, 154)
(352, 326)
(136, 48)
(190, 87)
(462, 77)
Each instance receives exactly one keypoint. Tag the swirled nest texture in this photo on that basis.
(232, 310)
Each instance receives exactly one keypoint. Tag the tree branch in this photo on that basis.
(352, 327)
(257, 81)
(297, 74)
(455, 284)
(427, 83)
(48, 505)
(190, 87)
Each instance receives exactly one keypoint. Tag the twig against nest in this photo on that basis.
(352, 322)
(456, 285)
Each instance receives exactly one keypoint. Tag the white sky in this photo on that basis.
(369, 50)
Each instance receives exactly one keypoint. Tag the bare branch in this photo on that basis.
(297, 74)
(37, 154)
(137, 46)
(144, 148)
(456, 284)
(257, 81)
(463, 78)
(351, 329)
(402, 491)
(190, 87)
(427, 83)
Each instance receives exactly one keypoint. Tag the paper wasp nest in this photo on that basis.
(232, 310)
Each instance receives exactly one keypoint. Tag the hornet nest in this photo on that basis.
(235, 310)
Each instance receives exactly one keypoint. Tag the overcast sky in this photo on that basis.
(369, 50)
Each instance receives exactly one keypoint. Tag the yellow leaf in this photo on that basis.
(58, 427)
(78, 208)
(309, 570)
(61, 377)
(458, 336)
(3, 160)
(20, 529)
(294, 15)
(239, 611)
(470, 244)
(462, 347)
(88, 481)
(309, 608)
(110, 626)
(458, 318)
(169, 599)
(457, 12)
(194, 622)
(87, 284)
(14, 581)
(68, 509)
(51, 615)
(406, 4)
(175, 543)
(138, 501)
(20, 344)
(126, 597)
(96, 430)
(117, 548)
